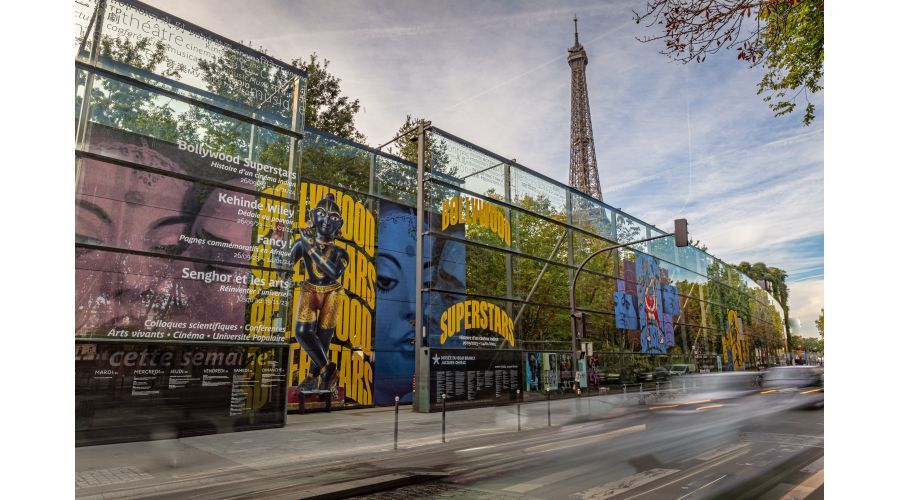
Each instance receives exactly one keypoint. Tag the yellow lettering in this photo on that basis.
(444, 327)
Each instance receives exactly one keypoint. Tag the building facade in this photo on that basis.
(202, 255)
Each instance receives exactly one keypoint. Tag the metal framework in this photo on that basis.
(582, 158)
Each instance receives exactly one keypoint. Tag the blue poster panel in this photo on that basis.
(653, 338)
(533, 363)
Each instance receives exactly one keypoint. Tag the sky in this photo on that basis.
(672, 140)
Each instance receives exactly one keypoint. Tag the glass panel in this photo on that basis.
(130, 296)
(395, 180)
(628, 229)
(335, 162)
(151, 46)
(591, 215)
(467, 167)
(132, 209)
(537, 195)
(84, 28)
(539, 237)
(80, 81)
(137, 125)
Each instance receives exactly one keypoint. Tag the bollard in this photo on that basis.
(589, 398)
(396, 418)
(683, 385)
(548, 407)
(657, 389)
(444, 418)
(518, 410)
(624, 388)
(641, 388)
(577, 402)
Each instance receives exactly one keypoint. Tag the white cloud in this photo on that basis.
(806, 301)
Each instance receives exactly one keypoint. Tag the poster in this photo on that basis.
(551, 371)
(533, 364)
(165, 258)
(188, 390)
(653, 339)
(566, 371)
(474, 375)
(332, 319)
(395, 335)
(593, 370)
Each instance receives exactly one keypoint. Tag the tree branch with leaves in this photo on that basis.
(786, 37)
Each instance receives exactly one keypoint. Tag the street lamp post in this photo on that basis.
(681, 240)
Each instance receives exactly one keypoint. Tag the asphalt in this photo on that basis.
(311, 442)
(596, 447)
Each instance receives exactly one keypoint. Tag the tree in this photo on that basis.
(325, 108)
(820, 325)
(786, 37)
(777, 277)
(406, 147)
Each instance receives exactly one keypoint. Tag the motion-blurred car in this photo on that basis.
(660, 374)
(805, 384)
(793, 376)
(609, 377)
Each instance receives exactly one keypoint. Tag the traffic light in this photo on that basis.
(681, 233)
(582, 325)
(579, 324)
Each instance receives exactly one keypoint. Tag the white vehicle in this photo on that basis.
(681, 369)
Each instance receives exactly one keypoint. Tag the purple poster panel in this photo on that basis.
(165, 258)
(630, 277)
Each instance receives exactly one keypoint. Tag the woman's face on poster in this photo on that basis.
(132, 210)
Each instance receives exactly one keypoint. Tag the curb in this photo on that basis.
(365, 486)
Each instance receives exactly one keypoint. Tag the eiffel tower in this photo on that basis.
(582, 159)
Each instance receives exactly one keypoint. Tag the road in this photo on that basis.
(752, 447)
(688, 445)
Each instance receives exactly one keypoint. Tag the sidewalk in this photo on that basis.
(308, 443)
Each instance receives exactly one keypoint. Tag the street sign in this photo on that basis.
(587, 347)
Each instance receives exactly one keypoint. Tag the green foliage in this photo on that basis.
(127, 107)
(786, 37)
(406, 147)
(325, 107)
(820, 326)
(793, 53)
(778, 278)
(808, 344)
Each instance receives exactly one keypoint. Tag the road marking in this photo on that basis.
(811, 391)
(707, 407)
(549, 479)
(805, 488)
(585, 440)
(718, 452)
(815, 466)
(705, 468)
(624, 484)
(784, 439)
(700, 488)
(477, 448)
(663, 406)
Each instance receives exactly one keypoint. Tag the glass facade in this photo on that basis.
(195, 180)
